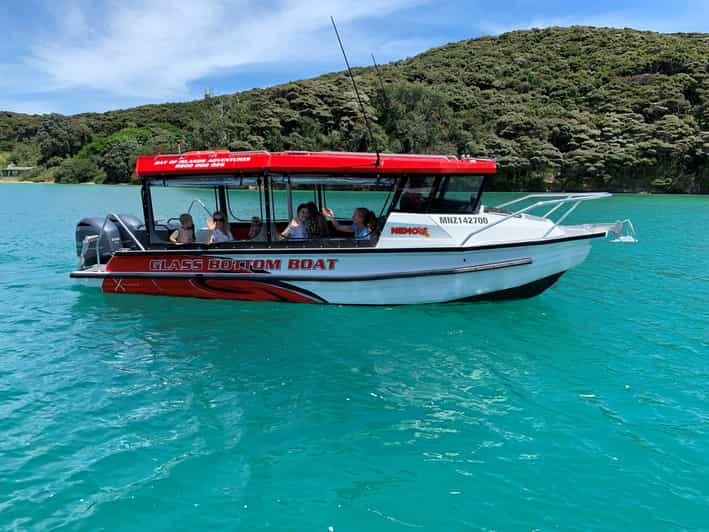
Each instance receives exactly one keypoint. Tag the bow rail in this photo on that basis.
(547, 199)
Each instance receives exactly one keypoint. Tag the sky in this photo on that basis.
(73, 56)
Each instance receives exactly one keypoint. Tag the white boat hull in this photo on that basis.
(545, 262)
(365, 277)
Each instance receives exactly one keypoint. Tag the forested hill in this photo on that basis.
(560, 108)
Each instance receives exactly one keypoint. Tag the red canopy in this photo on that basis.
(295, 162)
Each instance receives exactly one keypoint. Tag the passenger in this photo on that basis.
(296, 229)
(185, 234)
(258, 232)
(257, 229)
(218, 229)
(316, 226)
(364, 223)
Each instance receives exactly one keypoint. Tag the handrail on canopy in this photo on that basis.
(204, 181)
(332, 180)
(278, 180)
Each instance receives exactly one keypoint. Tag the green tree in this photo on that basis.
(418, 119)
(119, 161)
(58, 137)
(78, 171)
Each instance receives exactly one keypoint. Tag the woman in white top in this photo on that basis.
(218, 229)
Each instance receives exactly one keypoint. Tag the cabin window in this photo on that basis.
(246, 210)
(457, 193)
(239, 197)
(170, 202)
(285, 205)
(244, 202)
(341, 194)
(440, 194)
(415, 194)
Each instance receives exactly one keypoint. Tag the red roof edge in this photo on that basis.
(294, 162)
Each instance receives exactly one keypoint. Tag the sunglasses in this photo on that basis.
(218, 219)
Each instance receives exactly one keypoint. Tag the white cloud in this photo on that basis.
(154, 49)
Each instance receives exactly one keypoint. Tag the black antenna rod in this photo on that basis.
(381, 82)
(359, 99)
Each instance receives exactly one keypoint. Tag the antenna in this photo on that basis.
(359, 99)
(381, 82)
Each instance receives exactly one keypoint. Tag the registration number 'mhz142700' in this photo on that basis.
(451, 220)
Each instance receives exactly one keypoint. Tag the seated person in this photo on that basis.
(257, 231)
(315, 225)
(185, 234)
(413, 202)
(218, 229)
(296, 229)
(364, 223)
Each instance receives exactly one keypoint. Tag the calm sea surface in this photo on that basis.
(584, 408)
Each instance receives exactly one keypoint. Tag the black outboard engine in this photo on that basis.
(113, 236)
(87, 240)
(134, 225)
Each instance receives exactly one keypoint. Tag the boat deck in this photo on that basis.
(97, 271)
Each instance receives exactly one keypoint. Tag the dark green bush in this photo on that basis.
(76, 170)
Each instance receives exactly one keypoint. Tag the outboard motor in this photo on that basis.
(134, 225)
(113, 237)
(87, 240)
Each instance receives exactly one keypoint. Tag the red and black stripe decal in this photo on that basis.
(238, 289)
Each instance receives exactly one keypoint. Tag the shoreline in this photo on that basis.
(12, 180)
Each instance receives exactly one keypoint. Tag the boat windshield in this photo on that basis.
(440, 194)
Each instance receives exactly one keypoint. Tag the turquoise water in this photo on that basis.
(584, 408)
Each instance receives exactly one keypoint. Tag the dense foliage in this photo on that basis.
(560, 108)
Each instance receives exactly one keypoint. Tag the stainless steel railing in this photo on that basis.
(201, 203)
(573, 199)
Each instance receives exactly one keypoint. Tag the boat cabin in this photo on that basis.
(259, 193)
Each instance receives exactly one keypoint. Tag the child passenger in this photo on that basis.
(364, 223)
(185, 234)
(296, 229)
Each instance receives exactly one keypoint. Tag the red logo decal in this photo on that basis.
(412, 231)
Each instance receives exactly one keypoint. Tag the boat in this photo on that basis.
(432, 240)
